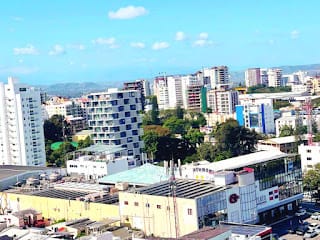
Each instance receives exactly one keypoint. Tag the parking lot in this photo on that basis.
(291, 222)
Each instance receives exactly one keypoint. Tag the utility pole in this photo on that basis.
(173, 188)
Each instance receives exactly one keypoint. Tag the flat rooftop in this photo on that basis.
(184, 189)
(282, 140)
(245, 229)
(100, 148)
(7, 171)
(247, 160)
(143, 175)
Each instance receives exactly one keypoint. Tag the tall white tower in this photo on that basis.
(21, 129)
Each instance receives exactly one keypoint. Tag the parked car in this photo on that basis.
(317, 229)
(301, 229)
(315, 216)
(313, 226)
(310, 234)
(301, 212)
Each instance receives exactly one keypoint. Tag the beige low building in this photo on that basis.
(157, 213)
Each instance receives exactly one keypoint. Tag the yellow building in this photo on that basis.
(156, 212)
(58, 204)
(82, 135)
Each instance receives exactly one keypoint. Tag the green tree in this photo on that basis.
(194, 136)
(53, 128)
(311, 179)
(85, 143)
(286, 130)
(237, 140)
(159, 130)
(150, 139)
(154, 110)
(179, 112)
(175, 125)
(206, 151)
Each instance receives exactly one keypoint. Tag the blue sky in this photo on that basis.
(58, 41)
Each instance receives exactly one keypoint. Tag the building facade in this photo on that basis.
(218, 77)
(274, 77)
(259, 187)
(22, 137)
(222, 102)
(309, 156)
(115, 120)
(256, 115)
(252, 77)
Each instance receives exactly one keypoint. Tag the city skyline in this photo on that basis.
(108, 41)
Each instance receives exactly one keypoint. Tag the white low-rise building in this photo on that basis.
(99, 161)
(309, 156)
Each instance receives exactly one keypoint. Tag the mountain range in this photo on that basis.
(76, 89)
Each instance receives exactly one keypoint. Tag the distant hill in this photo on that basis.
(77, 89)
(238, 76)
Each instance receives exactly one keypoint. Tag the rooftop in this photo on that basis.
(144, 175)
(184, 189)
(281, 140)
(205, 233)
(247, 160)
(7, 171)
(245, 229)
(100, 148)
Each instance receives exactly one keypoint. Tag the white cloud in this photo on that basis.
(57, 50)
(110, 42)
(28, 50)
(203, 40)
(203, 36)
(295, 34)
(137, 45)
(77, 46)
(128, 12)
(180, 36)
(160, 45)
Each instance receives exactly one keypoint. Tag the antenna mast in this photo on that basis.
(173, 188)
(308, 107)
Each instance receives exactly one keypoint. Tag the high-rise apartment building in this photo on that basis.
(160, 89)
(252, 77)
(217, 76)
(275, 77)
(175, 91)
(114, 119)
(264, 76)
(21, 129)
(222, 102)
(140, 85)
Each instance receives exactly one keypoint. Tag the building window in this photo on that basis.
(309, 158)
(158, 206)
(126, 101)
(132, 107)
(136, 204)
(147, 205)
(308, 150)
(127, 114)
(189, 211)
(126, 203)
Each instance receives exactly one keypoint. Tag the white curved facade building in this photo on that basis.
(21, 129)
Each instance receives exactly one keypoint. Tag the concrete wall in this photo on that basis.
(155, 214)
(58, 209)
